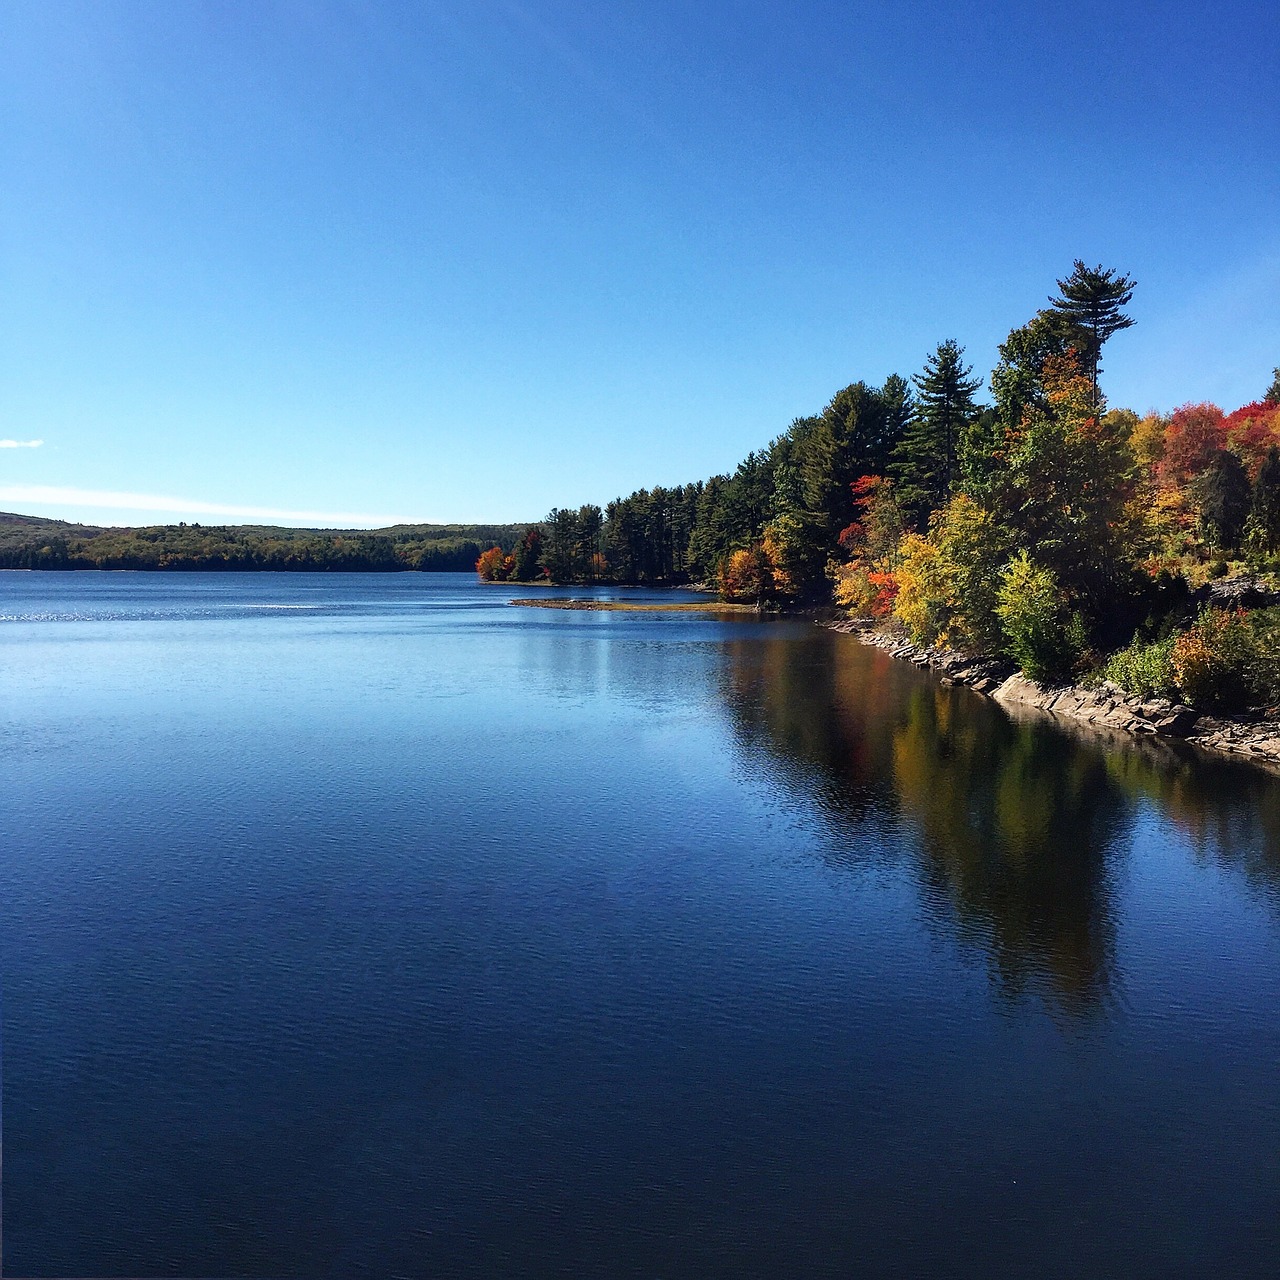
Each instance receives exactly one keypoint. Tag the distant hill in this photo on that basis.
(33, 542)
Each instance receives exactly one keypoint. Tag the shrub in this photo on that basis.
(1215, 661)
(1264, 669)
(1042, 636)
(1144, 669)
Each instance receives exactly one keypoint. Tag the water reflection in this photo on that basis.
(1015, 826)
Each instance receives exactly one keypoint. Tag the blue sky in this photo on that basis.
(325, 262)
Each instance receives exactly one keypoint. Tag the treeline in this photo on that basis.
(1040, 524)
(800, 483)
(31, 543)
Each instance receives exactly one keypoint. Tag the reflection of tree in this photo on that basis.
(1014, 827)
(789, 699)
(1014, 823)
(1230, 810)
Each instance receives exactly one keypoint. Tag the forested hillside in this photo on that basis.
(1040, 523)
(29, 542)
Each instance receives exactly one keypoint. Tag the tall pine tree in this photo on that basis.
(1091, 299)
(925, 462)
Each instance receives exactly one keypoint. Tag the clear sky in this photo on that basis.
(346, 262)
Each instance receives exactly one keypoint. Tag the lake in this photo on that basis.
(367, 926)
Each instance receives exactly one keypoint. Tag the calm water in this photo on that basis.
(365, 926)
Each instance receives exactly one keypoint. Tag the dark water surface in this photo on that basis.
(364, 926)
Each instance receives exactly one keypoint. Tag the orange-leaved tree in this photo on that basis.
(745, 576)
(495, 565)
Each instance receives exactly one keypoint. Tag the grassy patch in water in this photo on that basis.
(633, 606)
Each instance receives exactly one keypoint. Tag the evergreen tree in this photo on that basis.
(925, 463)
(559, 553)
(590, 524)
(528, 556)
(1091, 299)
(1265, 509)
(1225, 495)
(1273, 392)
(899, 405)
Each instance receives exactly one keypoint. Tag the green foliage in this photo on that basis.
(1264, 511)
(925, 463)
(1017, 382)
(1144, 668)
(1225, 495)
(527, 556)
(1090, 300)
(1042, 635)
(1222, 662)
(32, 543)
(1063, 487)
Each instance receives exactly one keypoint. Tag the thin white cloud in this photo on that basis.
(20, 444)
(56, 495)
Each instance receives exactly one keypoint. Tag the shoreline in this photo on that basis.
(1102, 708)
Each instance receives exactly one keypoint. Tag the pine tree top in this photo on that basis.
(1092, 297)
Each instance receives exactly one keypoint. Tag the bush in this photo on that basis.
(1042, 636)
(1263, 675)
(1216, 661)
(1144, 669)
(866, 590)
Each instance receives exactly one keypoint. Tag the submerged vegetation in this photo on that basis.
(1043, 526)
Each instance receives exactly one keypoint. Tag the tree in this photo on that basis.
(866, 583)
(1264, 515)
(1273, 391)
(745, 576)
(1251, 430)
(786, 549)
(947, 580)
(1225, 494)
(587, 551)
(1147, 442)
(1064, 488)
(526, 560)
(1017, 381)
(925, 462)
(560, 552)
(899, 406)
(494, 565)
(846, 440)
(1042, 637)
(1191, 440)
(1091, 299)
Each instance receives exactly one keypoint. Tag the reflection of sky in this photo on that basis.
(736, 937)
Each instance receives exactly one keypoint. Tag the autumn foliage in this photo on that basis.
(1045, 526)
(495, 565)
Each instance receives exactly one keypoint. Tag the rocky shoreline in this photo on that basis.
(1104, 706)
